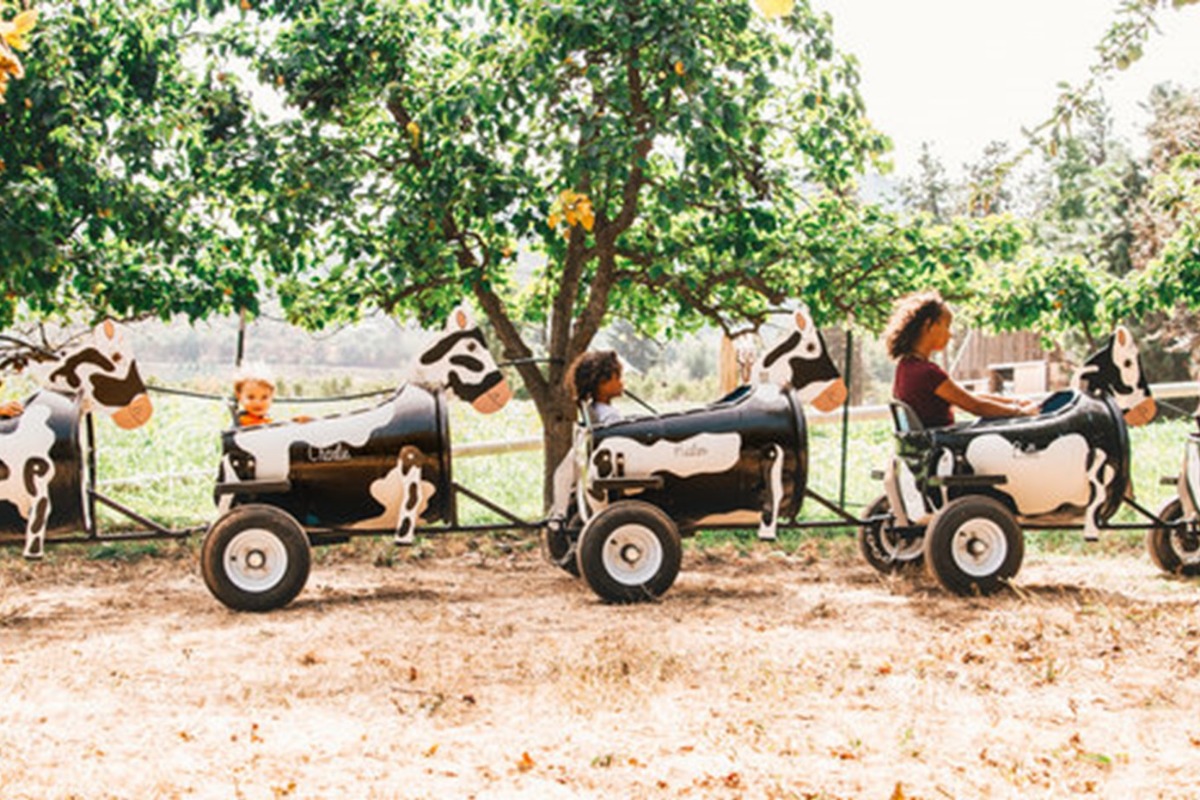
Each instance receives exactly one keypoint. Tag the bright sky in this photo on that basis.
(961, 73)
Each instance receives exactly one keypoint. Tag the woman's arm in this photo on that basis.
(985, 406)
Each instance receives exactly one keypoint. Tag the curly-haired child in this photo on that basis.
(920, 326)
(596, 378)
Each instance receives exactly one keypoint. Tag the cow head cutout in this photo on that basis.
(1116, 369)
(459, 359)
(800, 359)
(101, 370)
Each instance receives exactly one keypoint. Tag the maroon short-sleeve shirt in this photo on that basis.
(916, 383)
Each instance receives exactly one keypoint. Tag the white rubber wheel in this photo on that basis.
(974, 545)
(1174, 550)
(630, 552)
(255, 558)
(886, 551)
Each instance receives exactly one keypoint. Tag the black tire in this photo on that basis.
(884, 550)
(560, 543)
(974, 545)
(1174, 550)
(255, 558)
(630, 552)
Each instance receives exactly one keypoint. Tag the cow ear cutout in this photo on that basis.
(1122, 336)
(461, 319)
(801, 320)
(109, 329)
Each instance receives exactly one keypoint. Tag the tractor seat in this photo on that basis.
(904, 419)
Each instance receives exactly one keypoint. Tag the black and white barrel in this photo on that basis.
(41, 469)
(354, 470)
(709, 463)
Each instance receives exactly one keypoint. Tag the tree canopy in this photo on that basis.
(114, 169)
(1079, 271)
(563, 163)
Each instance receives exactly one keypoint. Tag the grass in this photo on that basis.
(166, 470)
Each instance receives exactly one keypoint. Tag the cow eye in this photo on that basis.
(116, 358)
(472, 346)
(1128, 363)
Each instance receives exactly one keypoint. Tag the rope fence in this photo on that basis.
(230, 400)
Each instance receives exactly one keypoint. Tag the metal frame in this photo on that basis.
(910, 532)
(845, 519)
(336, 535)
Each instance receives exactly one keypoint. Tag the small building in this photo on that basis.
(1009, 363)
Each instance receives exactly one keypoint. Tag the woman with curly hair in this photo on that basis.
(919, 327)
(595, 378)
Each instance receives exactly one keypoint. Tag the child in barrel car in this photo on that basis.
(596, 378)
(919, 327)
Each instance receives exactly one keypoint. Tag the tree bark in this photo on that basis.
(558, 433)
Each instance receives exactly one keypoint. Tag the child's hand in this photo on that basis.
(11, 409)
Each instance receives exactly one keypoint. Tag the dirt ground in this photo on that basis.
(474, 673)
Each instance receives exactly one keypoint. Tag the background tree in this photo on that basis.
(565, 164)
(1166, 248)
(1111, 238)
(117, 185)
(987, 189)
(671, 164)
(930, 191)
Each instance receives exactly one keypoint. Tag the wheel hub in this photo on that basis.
(897, 547)
(1186, 545)
(979, 547)
(632, 554)
(256, 560)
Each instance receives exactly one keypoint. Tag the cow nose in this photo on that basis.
(1141, 413)
(134, 415)
(493, 399)
(831, 397)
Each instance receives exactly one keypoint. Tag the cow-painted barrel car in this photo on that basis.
(631, 488)
(286, 486)
(1174, 545)
(957, 497)
(47, 454)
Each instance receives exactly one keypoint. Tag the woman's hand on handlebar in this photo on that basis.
(1026, 408)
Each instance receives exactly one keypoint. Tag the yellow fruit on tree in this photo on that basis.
(775, 8)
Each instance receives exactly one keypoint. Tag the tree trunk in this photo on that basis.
(558, 431)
